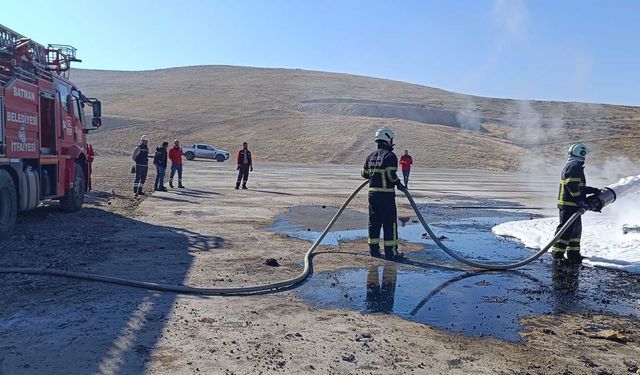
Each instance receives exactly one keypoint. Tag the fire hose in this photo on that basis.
(608, 196)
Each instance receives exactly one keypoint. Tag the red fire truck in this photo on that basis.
(43, 150)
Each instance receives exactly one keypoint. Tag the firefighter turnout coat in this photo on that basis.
(381, 169)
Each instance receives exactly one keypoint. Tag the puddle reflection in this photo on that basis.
(426, 288)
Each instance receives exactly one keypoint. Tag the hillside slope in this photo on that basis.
(317, 117)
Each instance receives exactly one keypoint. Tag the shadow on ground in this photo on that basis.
(60, 326)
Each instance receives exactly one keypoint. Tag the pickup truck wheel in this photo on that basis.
(189, 155)
(220, 158)
(74, 197)
(8, 205)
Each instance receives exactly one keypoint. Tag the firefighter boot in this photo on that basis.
(140, 192)
(392, 254)
(244, 186)
(171, 184)
(574, 257)
(180, 186)
(237, 185)
(374, 250)
(135, 190)
(558, 256)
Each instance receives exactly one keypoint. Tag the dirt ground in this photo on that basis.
(212, 235)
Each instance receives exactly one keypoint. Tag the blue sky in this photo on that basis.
(549, 50)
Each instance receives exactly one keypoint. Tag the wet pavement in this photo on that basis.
(431, 288)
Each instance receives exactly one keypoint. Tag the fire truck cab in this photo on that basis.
(43, 150)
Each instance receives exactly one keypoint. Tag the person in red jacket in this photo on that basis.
(175, 155)
(245, 164)
(405, 162)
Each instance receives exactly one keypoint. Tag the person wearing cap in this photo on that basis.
(381, 169)
(571, 198)
(141, 158)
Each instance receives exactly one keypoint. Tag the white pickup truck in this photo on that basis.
(201, 150)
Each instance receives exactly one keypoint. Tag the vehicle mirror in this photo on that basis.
(96, 122)
(97, 109)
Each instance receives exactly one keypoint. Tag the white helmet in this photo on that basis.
(144, 138)
(579, 149)
(385, 134)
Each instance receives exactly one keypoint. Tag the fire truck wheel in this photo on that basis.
(74, 197)
(8, 205)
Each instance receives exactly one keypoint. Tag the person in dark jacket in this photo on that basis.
(571, 198)
(141, 158)
(160, 161)
(380, 169)
(245, 164)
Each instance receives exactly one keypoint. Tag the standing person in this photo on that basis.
(245, 164)
(160, 161)
(90, 157)
(405, 161)
(175, 154)
(381, 169)
(141, 158)
(571, 198)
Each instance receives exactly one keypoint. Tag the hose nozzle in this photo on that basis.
(600, 200)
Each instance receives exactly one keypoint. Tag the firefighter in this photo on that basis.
(245, 164)
(160, 161)
(571, 198)
(141, 158)
(380, 169)
(175, 154)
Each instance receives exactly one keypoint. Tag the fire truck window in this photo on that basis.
(63, 91)
(76, 105)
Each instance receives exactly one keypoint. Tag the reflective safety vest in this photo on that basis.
(381, 169)
(573, 185)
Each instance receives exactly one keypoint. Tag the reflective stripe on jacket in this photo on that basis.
(141, 155)
(573, 185)
(381, 169)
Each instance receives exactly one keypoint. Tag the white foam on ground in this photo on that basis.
(603, 241)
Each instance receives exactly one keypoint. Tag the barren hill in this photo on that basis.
(316, 117)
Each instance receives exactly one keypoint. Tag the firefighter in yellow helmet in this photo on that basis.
(381, 169)
(571, 198)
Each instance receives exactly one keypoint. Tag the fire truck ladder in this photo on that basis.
(22, 58)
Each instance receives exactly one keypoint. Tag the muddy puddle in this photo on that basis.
(429, 287)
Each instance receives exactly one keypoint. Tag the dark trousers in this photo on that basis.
(141, 177)
(405, 174)
(176, 168)
(243, 174)
(383, 214)
(570, 240)
(159, 177)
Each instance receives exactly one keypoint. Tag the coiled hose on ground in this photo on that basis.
(271, 287)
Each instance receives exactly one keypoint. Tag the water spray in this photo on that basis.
(612, 192)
